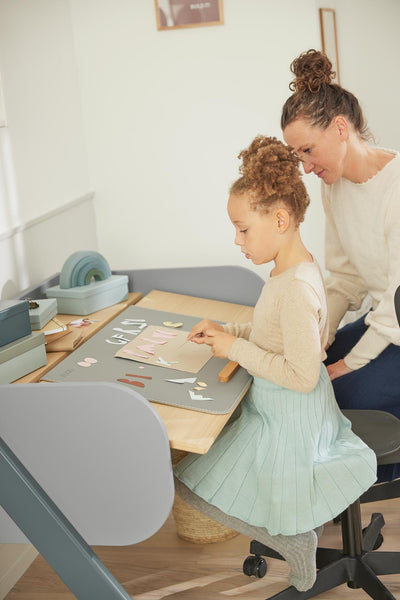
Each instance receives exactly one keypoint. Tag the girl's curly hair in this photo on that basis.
(270, 173)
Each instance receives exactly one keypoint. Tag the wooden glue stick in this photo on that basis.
(228, 371)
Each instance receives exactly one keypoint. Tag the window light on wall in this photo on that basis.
(3, 121)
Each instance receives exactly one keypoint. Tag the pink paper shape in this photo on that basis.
(154, 341)
(147, 348)
(163, 334)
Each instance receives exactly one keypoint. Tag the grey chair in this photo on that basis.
(358, 563)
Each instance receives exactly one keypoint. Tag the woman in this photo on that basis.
(324, 124)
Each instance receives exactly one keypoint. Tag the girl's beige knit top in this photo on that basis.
(286, 340)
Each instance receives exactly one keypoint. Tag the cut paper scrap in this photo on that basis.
(201, 384)
(165, 363)
(136, 383)
(127, 351)
(198, 396)
(81, 322)
(184, 380)
(147, 348)
(169, 324)
(88, 362)
(175, 352)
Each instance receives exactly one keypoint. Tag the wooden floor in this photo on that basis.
(167, 567)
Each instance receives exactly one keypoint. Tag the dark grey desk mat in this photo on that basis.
(105, 343)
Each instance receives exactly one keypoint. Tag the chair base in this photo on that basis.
(358, 569)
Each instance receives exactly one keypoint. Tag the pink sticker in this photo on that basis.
(84, 364)
(164, 334)
(147, 348)
(155, 341)
(92, 361)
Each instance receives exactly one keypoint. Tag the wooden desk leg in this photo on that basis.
(52, 534)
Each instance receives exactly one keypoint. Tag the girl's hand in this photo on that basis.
(338, 369)
(198, 331)
(219, 342)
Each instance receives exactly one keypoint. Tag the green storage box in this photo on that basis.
(22, 357)
(46, 310)
(86, 299)
(14, 320)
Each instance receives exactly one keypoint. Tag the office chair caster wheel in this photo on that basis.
(256, 566)
(378, 541)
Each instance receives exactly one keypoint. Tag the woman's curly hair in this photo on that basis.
(270, 174)
(316, 98)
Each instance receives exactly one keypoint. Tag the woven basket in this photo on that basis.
(191, 524)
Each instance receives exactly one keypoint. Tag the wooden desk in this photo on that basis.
(189, 430)
(99, 318)
(192, 430)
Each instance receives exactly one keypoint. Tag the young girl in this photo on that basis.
(290, 462)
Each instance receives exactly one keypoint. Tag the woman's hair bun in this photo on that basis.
(312, 70)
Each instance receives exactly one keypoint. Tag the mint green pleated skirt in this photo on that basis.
(289, 462)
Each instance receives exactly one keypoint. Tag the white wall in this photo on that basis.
(45, 209)
(369, 43)
(167, 112)
(98, 99)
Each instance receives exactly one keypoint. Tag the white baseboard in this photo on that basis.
(14, 561)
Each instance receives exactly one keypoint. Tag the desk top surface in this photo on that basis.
(188, 430)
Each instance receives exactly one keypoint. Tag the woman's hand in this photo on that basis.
(219, 342)
(338, 369)
(198, 332)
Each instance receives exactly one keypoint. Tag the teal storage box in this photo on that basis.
(41, 315)
(86, 299)
(14, 320)
(22, 357)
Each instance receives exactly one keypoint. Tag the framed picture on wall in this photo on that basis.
(175, 14)
(327, 19)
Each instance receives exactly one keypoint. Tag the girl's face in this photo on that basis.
(322, 151)
(256, 231)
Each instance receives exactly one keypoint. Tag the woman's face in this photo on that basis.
(322, 151)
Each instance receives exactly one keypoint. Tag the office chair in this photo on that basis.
(81, 463)
(357, 564)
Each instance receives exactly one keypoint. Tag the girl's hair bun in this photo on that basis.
(270, 174)
(312, 70)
